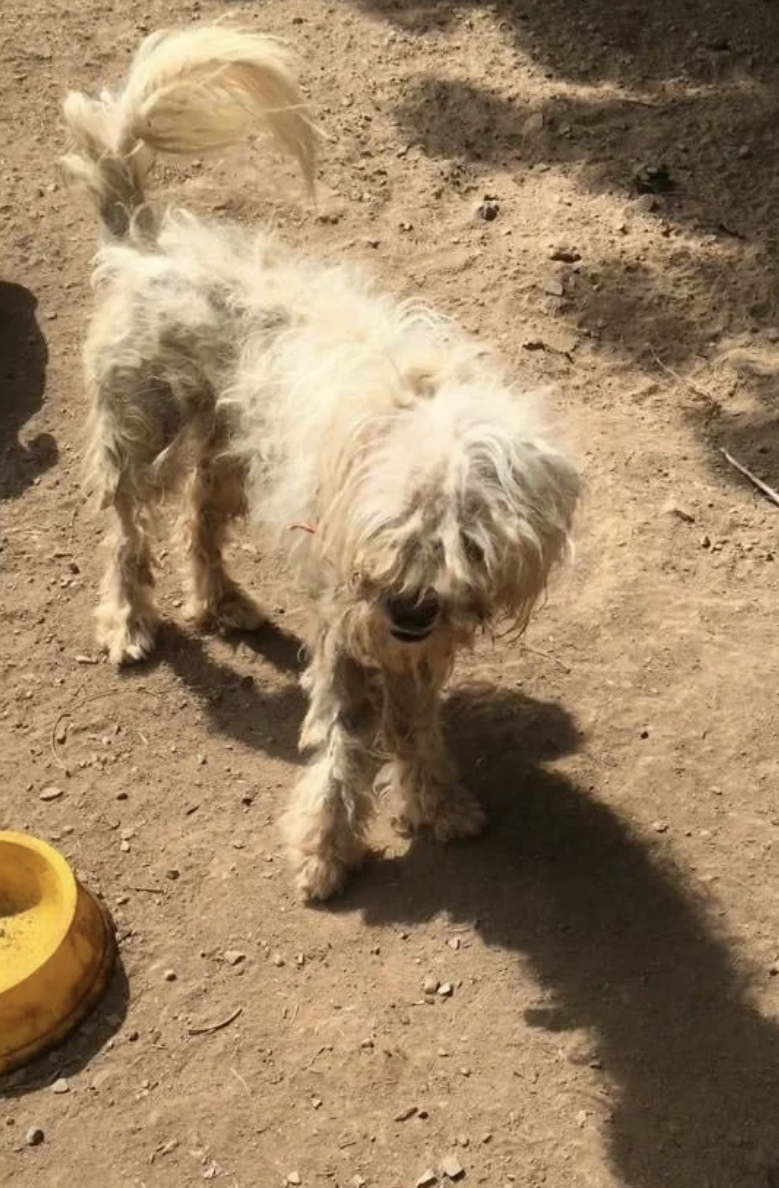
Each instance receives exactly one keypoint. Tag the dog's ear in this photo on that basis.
(536, 494)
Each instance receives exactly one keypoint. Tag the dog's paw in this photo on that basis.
(454, 813)
(127, 639)
(458, 814)
(233, 611)
(318, 878)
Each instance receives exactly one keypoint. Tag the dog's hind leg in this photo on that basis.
(333, 802)
(213, 498)
(126, 616)
(421, 773)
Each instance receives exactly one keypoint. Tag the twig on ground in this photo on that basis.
(682, 379)
(210, 1028)
(546, 656)
(747, 473)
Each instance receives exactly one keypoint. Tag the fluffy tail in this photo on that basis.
(189, 91)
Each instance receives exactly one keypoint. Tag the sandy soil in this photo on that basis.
(611, 944)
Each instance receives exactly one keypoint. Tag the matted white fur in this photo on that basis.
(431, 499)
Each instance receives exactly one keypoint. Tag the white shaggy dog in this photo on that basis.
(434, 503)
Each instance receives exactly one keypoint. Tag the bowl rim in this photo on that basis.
(63, 874)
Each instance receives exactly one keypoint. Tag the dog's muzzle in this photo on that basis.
(412, 619)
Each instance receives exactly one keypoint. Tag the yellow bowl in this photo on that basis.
(57, 949)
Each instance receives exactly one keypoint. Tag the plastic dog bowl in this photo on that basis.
(57, 949)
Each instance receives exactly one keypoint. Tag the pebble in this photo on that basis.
(60, 1086)
(452, 1168)
(533, 124)
(34, 1136)
(672, 508)
(294, 1178)
(660, 826)
(358, 1181)
(169, 975)
(488, 210)
(51, 793)
(553, 286)
(427, 1179)
(446, 990)
(405, 1114)
(430, 985)
(646, 203)
(234, 956)
(454, 943)
(277, 960)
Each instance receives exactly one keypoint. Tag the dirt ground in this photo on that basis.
(612, 943)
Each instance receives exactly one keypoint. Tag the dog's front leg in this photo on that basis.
(333, 801)
(421, 773)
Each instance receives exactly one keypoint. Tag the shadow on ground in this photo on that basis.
(23, 359)
(77, 1052)
(686, 96)
(619, 944)
(235, 704)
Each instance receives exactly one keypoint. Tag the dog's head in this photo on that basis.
(455, 510)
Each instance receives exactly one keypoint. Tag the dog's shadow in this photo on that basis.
(23, 361)
(236, 705)
(621, 945)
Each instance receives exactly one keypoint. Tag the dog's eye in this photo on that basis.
(473, 551)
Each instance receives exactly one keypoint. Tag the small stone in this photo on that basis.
(705, 541)
(565, 255)
(60, 1086)
(367, 1043)
(34, 1136)
(488, 210)
(427, 1179)
(660, 826)
(404, 1115)
(452, 1168)
(172, 874)
(533, 124)
(645, 204)
(672, 508)
(52, 792)
(132, 1036)
(124, 846)
(358, 1181)
(294, 1178)
(445, 990)
(277, 960)
(581, 1118)
(463, 1141)
(552, 285)
(169, 975)
(430, 985)
(234, 956)
(454, 943)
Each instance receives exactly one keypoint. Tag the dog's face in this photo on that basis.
(456, 513)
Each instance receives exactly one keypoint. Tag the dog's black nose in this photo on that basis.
(412, 619)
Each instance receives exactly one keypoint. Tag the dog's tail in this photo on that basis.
(188, 91)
